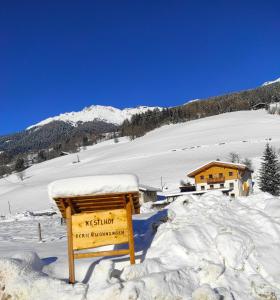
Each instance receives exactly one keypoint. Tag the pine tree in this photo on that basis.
(19, 165)
(269, 179)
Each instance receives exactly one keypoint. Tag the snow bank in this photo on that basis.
(222, 249)
(20, 280)
(93, 185)
(210, 248)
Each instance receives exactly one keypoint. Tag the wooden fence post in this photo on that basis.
(39, 232)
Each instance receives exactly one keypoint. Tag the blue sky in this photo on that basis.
(58, 56)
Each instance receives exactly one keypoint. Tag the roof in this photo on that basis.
(218, 163)
(196, 192)
(145, 188)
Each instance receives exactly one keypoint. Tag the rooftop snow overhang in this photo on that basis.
(219, 164)
(146, 188)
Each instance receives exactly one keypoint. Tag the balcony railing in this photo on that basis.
(216, 180)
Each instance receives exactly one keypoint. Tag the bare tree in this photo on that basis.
(234, 157)
(247, 162)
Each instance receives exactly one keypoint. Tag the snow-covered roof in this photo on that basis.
(217, 163)
(196, 192)
(143, 187)
(93, 185)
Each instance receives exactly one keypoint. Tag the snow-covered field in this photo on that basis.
(169, 152)
(197, 248)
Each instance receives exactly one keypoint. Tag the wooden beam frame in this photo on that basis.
(72, 206)
(70, 244)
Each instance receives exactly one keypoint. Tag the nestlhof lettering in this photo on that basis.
(99, 229)
(96, 222)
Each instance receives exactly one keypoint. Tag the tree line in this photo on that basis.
(47, 142)
(245, 100)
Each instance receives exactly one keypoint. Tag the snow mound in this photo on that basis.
(234, 248)
(19, 280)
(30, 259)
(222, 243)
(205, 293)
(93, 185)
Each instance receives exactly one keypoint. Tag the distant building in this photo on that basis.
(231, 178)
(260, 105)
(187, 188)
(148, 193)
(63, 153)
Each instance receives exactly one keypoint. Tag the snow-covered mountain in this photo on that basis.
(271, 82)
(106, 114)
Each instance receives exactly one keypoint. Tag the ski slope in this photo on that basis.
(169, 152)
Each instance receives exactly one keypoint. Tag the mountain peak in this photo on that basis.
(107, 114)
(271, 82)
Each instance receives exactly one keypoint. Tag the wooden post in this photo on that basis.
(70, 244)
(9, 207)
(130, 229)
(39, 232)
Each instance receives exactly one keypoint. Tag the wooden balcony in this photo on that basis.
(216, 180)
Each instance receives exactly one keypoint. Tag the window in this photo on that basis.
(201, 177)
(230, 173)
(232, 195)
(210, 176)
(202, 187)
(211, 186)
(231, 185)
(220, 175)
(222, 185)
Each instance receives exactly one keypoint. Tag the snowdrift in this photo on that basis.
(209, 248)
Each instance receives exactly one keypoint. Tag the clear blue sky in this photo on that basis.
(58, 56)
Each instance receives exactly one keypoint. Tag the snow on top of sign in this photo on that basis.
(93, 185)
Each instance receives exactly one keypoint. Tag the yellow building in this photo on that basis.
(231, 178)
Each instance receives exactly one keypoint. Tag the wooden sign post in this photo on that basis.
(98, 220)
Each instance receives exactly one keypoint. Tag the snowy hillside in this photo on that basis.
(271, 82)
(168, 153)
(107, 114)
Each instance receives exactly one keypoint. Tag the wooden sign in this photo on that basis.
(98, 220)
(99, 229)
